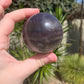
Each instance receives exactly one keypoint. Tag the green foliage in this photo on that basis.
(43, 5)
(21, 53)
(61, 17)
(72, 69)
(43, 73)
(59, 12)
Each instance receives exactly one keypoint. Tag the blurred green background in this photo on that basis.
(69, 69)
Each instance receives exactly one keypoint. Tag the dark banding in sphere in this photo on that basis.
(42, 33)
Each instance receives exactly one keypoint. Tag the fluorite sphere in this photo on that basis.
(42, 33)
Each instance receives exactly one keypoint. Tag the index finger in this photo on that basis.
(5, 3)
(7, 23)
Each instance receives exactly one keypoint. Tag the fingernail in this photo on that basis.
(37, 9)
(52, 58)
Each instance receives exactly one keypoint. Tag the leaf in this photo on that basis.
(36, 76)
(14, 53)
(41, 76)
(46, 76)
(63, 18)
(58, 11)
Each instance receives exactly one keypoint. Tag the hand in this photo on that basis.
(13, 71)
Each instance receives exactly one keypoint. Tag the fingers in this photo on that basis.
(21, 14)
(8, 22)
(5, 3)
(30, 65)
(11, 18)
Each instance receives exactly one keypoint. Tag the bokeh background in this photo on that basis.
(69, 69)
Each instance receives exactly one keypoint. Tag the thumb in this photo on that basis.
(30, 65)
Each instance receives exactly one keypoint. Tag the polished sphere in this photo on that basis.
(42, 33)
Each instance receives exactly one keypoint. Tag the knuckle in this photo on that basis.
(7, 15)
(40, 63)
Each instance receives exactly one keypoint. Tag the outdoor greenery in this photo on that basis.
(72, 69)
(69, 67)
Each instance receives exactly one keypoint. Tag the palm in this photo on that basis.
(7, 65)
(6, 60)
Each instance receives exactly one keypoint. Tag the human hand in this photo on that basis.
(13, 71)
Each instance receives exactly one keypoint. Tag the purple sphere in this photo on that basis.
(42, 33)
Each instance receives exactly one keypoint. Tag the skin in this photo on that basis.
(13, 71)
